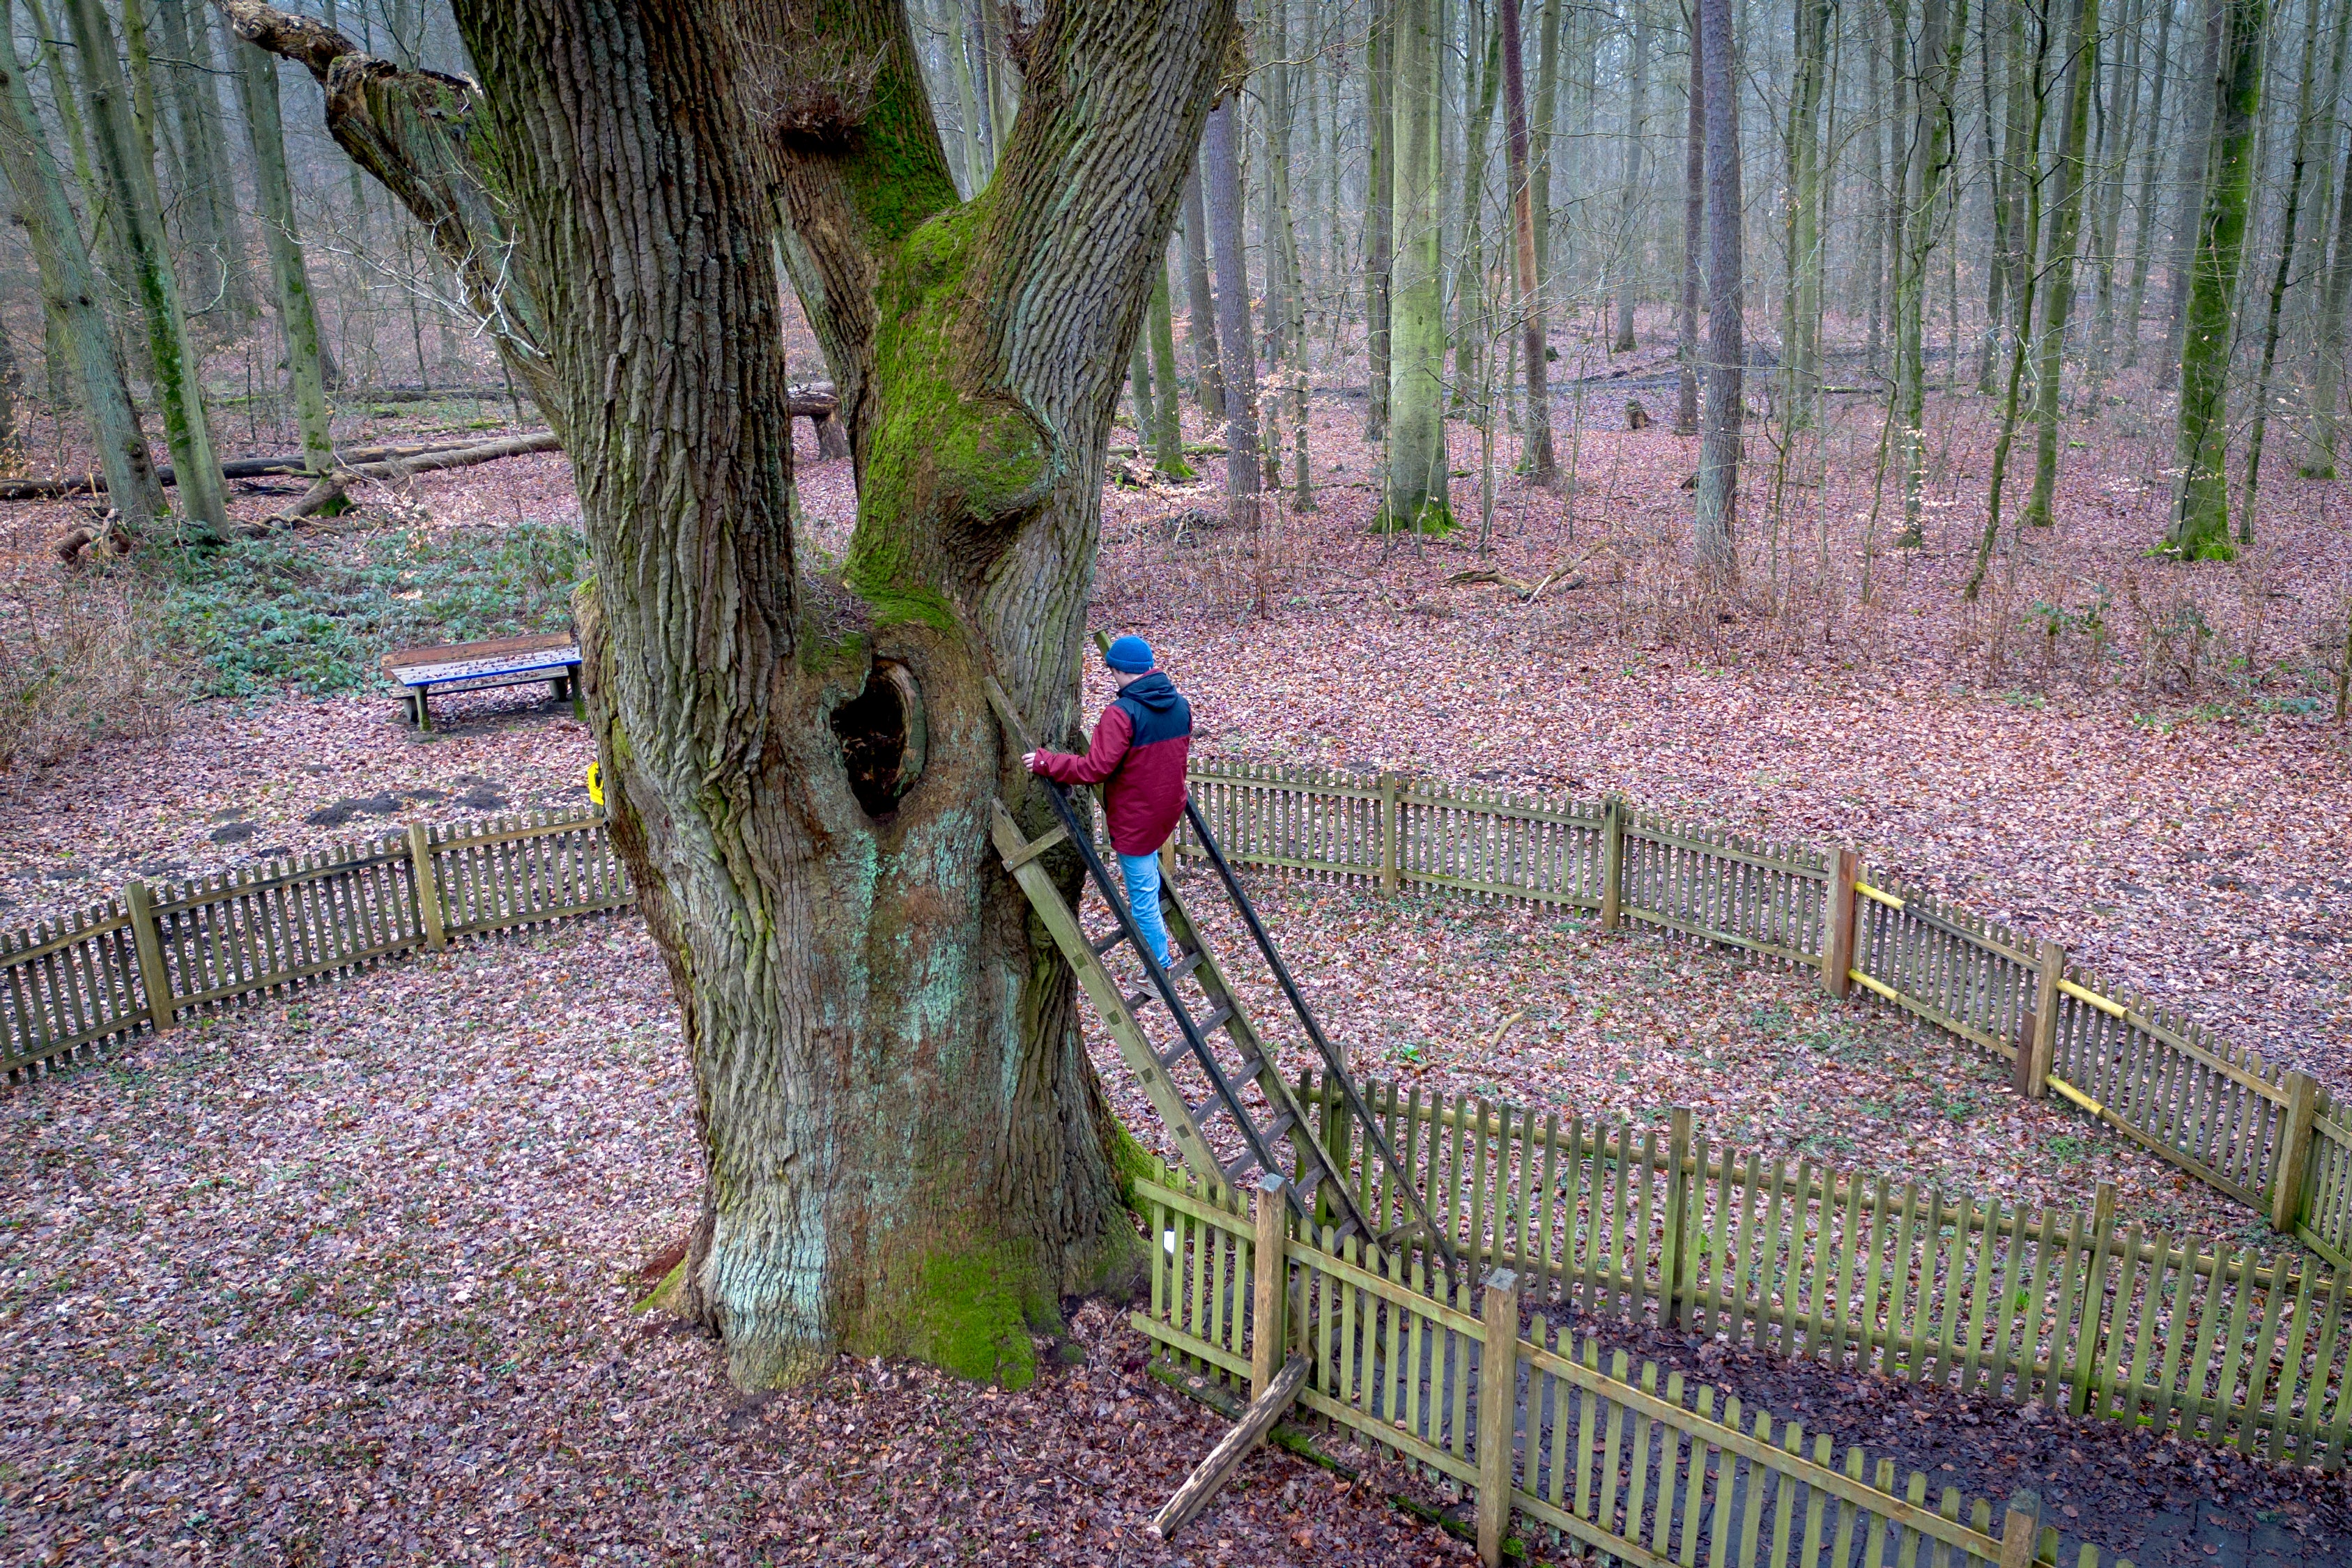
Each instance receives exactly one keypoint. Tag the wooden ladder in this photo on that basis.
(1222, 1038)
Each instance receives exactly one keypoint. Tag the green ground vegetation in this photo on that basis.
(265, 616)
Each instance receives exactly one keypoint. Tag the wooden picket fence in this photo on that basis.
(148, 958)
(1662, 1227)
(1607, 1456)
(2271, 1138)
(2274, 1140)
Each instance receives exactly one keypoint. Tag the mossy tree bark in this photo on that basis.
(907, 1148)
(1800, 297)
(2151, 153)
(2200, 517)
(130, 183)
(2191, 180)
(1416, 495)
(1629, 210)
(1168, 421)
(71, 295)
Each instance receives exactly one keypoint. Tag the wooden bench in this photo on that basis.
(552, 657)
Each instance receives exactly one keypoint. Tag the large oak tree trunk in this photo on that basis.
(907, 1148)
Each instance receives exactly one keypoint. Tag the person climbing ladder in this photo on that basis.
(1138, 750)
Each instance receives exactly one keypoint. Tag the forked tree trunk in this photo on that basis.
(70, 294)
(2327, 358)
(907, 1149)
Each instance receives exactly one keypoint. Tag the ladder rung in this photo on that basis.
(1312, 1180)
(1141, 998)
(1238, 1169)
(1279, 1128)
(1113, 940)
(1246, 1073)
(1216, 1020)
(1212, 1105)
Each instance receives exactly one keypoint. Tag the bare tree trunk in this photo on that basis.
(846, 955)
(1418, 477)
(131, 183)
(2196, 153)
(297, 314)
(2259, 426)
(1801, 299)
(1379, 217)
(2144, 228)
(1167, 426)
(70, 295)
(1873, 196)
(2065, 232)
(1283, 257)
(1718, 460)
(1541, 465)
(209, 198)
(1470, 262)
(1629, 246)
(1923, 189)
(1201, 301)
(1222, 173)
(2327, 358)
(1694, 235)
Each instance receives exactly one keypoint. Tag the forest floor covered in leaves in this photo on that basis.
(344, 1277)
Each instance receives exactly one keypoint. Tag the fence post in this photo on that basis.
(2293, 1156)
(1270, 1264)
(2088, 1359)
(153, 979)
(428, 886)
(1498, 1401)
(2036, 1057)
(1678, 1187)
(1392, 833)
(1837, 944)
(2020, 1531)
(1612, 864)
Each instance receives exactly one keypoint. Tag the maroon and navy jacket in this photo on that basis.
(1140, 745)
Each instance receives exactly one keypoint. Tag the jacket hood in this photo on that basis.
(1154, 691)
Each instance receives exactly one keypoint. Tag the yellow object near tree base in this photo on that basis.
(595, 783)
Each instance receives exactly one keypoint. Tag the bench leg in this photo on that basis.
(423, 712)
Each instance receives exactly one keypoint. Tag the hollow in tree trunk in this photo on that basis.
(906, 1148)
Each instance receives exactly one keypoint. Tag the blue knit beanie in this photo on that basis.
(1128, 656)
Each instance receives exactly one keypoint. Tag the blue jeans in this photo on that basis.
(1141, 873)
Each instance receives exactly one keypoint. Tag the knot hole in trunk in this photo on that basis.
(881, 733)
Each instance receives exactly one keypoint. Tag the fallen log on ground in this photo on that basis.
(334, 486)
(815, 401)
(57, 489)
